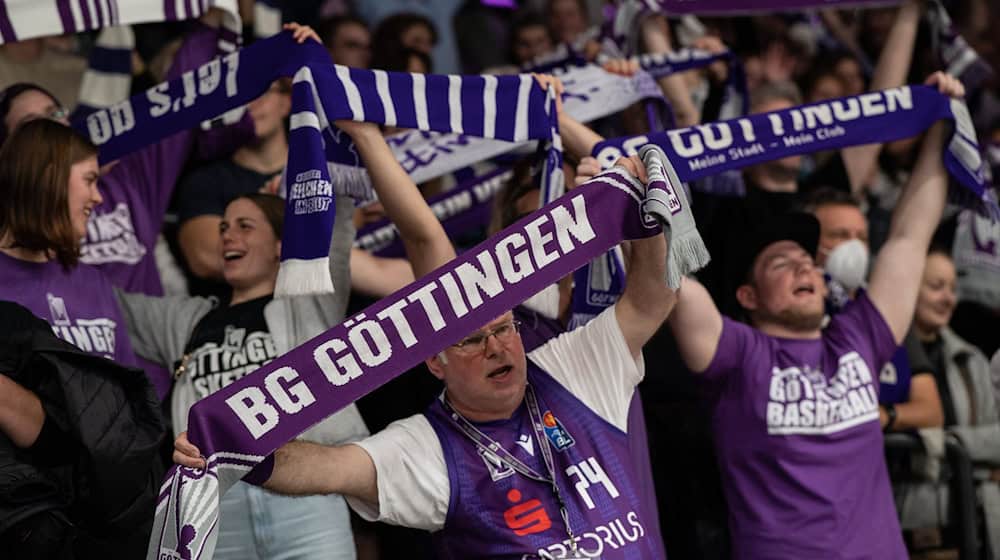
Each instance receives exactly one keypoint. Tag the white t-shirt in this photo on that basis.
(592, 362)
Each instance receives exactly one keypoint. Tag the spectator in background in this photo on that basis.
(567, 19)
(348, 40)
(424, 26)
(908, 395)
(529, 39)
(38, 61)
(203, 195)
(967, 397)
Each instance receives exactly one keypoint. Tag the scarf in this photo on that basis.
(241, 424)
(734, 7)
(20, 19)
(480, 106)
(958, 57)
(875, 117)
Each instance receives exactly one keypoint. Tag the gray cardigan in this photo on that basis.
(160, 328)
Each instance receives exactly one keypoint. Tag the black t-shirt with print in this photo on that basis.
(228, 343)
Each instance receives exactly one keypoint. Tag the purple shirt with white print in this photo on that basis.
(79, 304)
(796, 428)
(122, 231)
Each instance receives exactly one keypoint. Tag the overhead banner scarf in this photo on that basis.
(241, 424)
(875, 117)
(735, 7)
(27, 19)
(509, 108)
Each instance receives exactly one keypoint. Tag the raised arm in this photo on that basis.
(302, 468)
(890, 71)
(426, 243)
(895, 278)
(646, 301)
(696, 324)
(656, 38)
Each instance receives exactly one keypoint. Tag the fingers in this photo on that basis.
(586, 169)
(634, 166)
(946, 84)
(545, 81)
(185, 453)
(301, 33)
(621, 66)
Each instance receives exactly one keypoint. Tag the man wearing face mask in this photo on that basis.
(908, 395)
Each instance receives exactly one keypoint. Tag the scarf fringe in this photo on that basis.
(301, 277)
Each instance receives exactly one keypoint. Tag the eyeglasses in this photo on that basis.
(476, 344)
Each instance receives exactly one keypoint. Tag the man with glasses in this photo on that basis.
(523, 455)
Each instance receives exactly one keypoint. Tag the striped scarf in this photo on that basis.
(508, 108)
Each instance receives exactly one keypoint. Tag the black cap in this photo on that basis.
(799, 227)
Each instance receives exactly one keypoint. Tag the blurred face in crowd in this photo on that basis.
(791, 164)
(827, 86)
(567, 19)
(33, 104)
(269, 111)
(839, 223)
(787, 288)
(937, 297)
(531, 42)
(250, 248)
(419, 38)
(849, 72)
(484, 375)
(351, 45)
(83, 194)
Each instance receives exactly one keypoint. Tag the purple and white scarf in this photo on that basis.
(508, 108)
(959, 59)
(108, 78)
(876, 117)
(241, 424)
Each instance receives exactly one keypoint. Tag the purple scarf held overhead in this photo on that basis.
(735, 7)
(26, 19)
(241, 424)
(877, 117)
(509, 108)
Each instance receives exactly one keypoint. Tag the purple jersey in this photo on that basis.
(495, 512)
(122, 231)
(79, 304)
(798, 439)
(536, 330)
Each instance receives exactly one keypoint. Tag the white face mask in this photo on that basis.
(848, 264)
(545, 302)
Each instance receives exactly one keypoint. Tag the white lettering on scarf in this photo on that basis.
(369, 344)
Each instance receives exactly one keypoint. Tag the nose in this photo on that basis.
(95, 195)
(493, 345)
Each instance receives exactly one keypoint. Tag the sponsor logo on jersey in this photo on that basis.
(555, 431)
(525, 518)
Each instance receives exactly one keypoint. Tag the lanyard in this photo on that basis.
(487, 443)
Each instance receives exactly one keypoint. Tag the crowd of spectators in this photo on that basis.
(158, 286)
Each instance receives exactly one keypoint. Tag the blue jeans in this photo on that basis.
(255, 524)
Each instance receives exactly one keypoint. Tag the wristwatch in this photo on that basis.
(890, 412)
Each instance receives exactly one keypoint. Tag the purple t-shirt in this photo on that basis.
(799, 443)
(79, 304)
(122, 231)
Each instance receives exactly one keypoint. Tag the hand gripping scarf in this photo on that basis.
(509, 108)
(241, 424)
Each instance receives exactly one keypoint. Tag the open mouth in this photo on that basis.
(500, 372)
(233, 255)
(805, 289)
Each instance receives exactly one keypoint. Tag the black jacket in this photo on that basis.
(87, 488)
